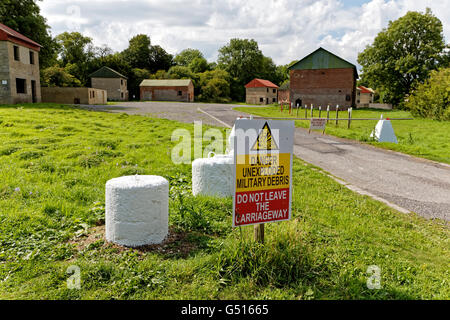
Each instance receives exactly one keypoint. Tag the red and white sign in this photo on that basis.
(263, 171)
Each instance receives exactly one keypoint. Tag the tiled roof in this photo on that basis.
(106, 72)
(260, 83)
(365, 90)
(322, 59)
(6, 33)
(165, 83)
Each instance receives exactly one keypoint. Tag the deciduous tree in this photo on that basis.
(403, 54)
(24, 17)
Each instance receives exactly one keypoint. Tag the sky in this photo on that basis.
(285, 30)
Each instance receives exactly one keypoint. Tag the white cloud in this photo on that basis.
(285, 29)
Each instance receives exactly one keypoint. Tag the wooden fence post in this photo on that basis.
(349, 117)
(320, 110)
(337, 114)
(259, 232)
(328, 113)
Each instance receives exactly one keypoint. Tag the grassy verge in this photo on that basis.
(424, 138)
(55, 161)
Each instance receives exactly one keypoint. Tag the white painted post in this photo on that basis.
(349, 117)
(337, 114)
(328, 113)
(137, 210)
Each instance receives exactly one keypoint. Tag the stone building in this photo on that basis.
(322, 78)
(74, 95)
(259, 91)
(112, 81)
(19, 68)
(364, 97)
(181, 90)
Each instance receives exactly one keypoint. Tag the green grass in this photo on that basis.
(423, 138)
(55, 161)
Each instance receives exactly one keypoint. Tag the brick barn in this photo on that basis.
(19, 68)
(167, 90)
(322, 78)
(259, 91)
(112, 81)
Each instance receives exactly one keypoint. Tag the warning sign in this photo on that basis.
(263, 171)
(264, 141)
(317, 124)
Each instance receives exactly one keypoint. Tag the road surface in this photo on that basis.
(406, 182)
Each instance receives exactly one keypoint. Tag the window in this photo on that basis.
(16, 53)
(274, 90)
(180, 93)
(121, 94)
(267, 89)
(347, 97)
(274, 100)
(31, 57)
(21, 85)
(121, 82)
(93, 94)
(261, 99)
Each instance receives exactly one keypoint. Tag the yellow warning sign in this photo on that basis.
(264, 140)
(262, 172)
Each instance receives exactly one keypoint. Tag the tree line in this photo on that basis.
(398, 63)
(68, 58)
(408, 64)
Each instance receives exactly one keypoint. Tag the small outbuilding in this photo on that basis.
(181, 90)
(112, 81)
(260, 91)
(364, 97)
(284, 92)
(74, 95)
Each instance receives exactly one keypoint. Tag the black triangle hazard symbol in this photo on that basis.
(265, 140)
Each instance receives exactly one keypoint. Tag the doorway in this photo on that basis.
(298, 102)
(33, 91)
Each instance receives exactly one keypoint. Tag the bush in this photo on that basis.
(432, 98)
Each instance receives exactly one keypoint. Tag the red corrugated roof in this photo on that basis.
(6, 33)
(260, 83)
(365, 90)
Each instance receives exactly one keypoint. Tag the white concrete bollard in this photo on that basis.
(384, 132)
(137, 210)
(213, 176)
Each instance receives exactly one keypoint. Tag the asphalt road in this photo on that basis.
(411, 183)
